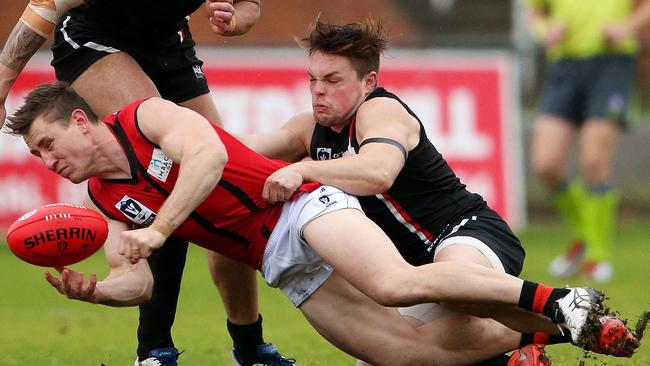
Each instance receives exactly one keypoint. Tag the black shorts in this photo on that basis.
(486, 231)
(597, 87)
(169, 60)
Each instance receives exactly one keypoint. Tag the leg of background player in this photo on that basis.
(157, 315)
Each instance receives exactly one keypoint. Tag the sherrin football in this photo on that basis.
(57, 235)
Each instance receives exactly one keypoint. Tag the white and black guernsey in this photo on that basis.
(424, 199)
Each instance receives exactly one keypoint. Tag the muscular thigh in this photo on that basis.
(354, 323)
(363, 329)
(112, 82)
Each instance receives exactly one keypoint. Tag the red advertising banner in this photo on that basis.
(468, 103)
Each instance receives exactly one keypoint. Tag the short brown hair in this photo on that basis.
(362, 43)
(54, 101)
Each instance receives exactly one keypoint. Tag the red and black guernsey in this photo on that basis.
(234, 220)
(425, 197)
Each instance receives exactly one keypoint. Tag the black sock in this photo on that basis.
(246, 338)
(541, 299)
(544, 338)
(157, 315)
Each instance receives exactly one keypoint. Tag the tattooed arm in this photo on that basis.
(35, 25)
(21, 45)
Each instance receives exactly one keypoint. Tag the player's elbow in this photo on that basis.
(146, 289)
(380, 181)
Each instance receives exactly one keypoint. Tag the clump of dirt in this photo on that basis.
(641, 324)
(594, 330)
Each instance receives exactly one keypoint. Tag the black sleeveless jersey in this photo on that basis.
(425, 197)
(145, 20)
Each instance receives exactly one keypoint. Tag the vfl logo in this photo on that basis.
(198, 72)
(135, 211)
(323, 153)
(160, 165)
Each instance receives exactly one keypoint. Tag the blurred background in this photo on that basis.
(434, 35)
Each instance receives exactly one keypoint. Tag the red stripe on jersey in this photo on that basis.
(400, 214)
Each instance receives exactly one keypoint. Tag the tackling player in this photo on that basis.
(364, 140)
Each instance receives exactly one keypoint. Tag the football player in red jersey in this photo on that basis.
(334, 264)
(136, 50)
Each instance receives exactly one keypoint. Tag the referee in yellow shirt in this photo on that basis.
(590, 46)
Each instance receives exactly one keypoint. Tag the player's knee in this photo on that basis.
(594, 169)
(549, 172)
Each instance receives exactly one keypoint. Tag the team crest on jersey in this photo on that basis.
(135, 211)
(160, 165)
(323, 153)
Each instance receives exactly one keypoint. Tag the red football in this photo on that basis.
(57, 235)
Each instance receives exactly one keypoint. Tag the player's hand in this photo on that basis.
(72, 284)
(139, 243)
(554, 34)
(222, 16)
(616, 33)
(281, 185)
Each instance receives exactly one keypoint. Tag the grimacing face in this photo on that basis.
(61, 149)
(336, 91)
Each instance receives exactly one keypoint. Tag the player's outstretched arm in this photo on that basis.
(30, 32)
(127, 284)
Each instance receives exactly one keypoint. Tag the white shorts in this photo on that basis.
(289, 262)
(431, 311)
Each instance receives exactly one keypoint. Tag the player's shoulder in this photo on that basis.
(381, 108)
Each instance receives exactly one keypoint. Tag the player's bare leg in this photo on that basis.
(469, 332)
(552, 139)
(598, 139)
(126, 79)
(356, 324)
(204, 105)
(342, 237)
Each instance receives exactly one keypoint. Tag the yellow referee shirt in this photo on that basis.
(584, 20)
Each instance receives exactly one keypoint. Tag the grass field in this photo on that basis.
(40, 327)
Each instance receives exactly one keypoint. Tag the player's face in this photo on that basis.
(62, 149)
(336, 91)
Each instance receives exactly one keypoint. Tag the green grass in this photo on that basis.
(40, 327)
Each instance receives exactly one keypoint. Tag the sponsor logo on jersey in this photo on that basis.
(160, 165)
(135, 211)
(198, 71)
